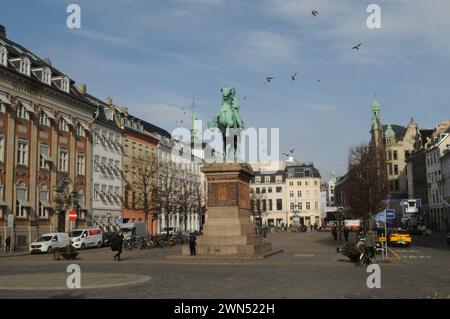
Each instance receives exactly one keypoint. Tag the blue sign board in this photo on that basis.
(390, 213)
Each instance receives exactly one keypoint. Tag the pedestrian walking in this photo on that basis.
(346, 234)
(334, 232)
(192, 244)
(116, 244)
(8, 244)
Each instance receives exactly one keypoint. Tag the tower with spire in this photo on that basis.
(377, 128)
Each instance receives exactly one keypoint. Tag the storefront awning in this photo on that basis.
(24, 203)
(27, 106)
(85, 127)
(49, 114)
(4, 99)
(67, 119)
(47, 158)
(46, 204)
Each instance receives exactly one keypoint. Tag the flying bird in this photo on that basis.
(318, 81)
(268, 79)
(356, 47)
(314, 13)
(293, 76)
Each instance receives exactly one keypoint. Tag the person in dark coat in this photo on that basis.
(346, 233)
(334, 232)
(8, 244)
(116, 244)
(192, 243)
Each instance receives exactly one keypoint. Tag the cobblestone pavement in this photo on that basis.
(309, 267)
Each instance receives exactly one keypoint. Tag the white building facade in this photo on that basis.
(107, 169)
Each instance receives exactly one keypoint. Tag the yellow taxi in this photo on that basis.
(399, 237)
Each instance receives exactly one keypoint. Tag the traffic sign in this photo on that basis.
(73, 215)
(390, 213)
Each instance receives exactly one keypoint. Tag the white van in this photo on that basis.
(47, 242)
(83, 238)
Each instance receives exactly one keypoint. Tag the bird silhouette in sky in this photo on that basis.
(268, 79)
(314, 13)
(318, 81)
(356, 47)
(293, 76)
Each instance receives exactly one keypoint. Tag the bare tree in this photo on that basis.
(143, 183)
(187, 197)
(166, 195)
(367, 181)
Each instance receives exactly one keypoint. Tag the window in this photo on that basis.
(96, 163)
(291, 194)
(3, 56)
(2, 148)
(389, 155)
(43, 202)
(390, 169)
(104, 163)
(315, 183)
(80, 130)
(63, 160)
(278, 179)
(263, 190)
(306, 183)
(269, 189)
(279, 189)
(47, 76)
(63, 125)
(307, 173)
(279, 204)
(25, 66)
(299, 193)
(21, 201)
(22, 153)
(80, 164)
(300, 205)
(44, 119)
(308, 205)
(22, 112)
(291, 183)
(316, 205)
(96, 191)
(395, 155)
(43, 156)
(266, 179)
(291, 205)
(257, 190)
(307, 194)
(65, 84)
(258, 179)
(396, 169)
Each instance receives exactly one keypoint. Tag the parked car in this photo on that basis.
(86, 237)
(48, 242)
(399, 237)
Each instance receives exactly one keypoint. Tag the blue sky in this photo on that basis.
(155, 56)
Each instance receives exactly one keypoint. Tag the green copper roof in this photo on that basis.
(389, 132)
(376, 105)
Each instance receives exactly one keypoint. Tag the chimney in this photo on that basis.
(2, 32)
(82, 88)
(109, 101)
(48, 61)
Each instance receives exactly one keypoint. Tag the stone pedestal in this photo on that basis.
(228, 230)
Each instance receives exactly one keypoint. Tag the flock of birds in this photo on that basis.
(270, 78)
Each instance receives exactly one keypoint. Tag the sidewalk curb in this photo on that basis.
(14, 255)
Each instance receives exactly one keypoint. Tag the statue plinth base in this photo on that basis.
(229, 230)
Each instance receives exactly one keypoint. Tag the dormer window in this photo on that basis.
(22, 65)
(25, 66)
(3, 56)
(47, 76)
(63, 83)
(43, 74)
